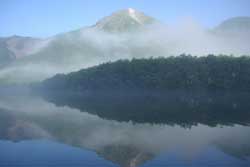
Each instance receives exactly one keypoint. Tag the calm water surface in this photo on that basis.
(39, 131)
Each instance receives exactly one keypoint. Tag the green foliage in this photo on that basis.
(181, 72)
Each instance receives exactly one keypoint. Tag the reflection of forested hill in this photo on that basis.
(126, 144)
(172, 107)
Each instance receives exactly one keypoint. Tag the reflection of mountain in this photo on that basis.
(241, 151)
(125, 156)
(172, 107)
(126, 144)
(18, 128)
(14, 128)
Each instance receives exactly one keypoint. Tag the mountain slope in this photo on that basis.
(18, 47)
(6, 56)
(235, 24)
(124, 21)
(125, 34)
(22, 46)
(85, 47)
(236, 27)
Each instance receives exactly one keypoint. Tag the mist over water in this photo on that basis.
(30, 117)
(147, 113)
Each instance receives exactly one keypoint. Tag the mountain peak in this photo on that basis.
(131, 10)
(124, 20)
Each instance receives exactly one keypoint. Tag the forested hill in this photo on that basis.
(181, 72)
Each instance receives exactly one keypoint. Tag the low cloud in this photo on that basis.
(90, 46)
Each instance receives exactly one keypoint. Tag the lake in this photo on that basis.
(112, 130)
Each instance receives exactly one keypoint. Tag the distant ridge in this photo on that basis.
(124, 34)
(235, 25)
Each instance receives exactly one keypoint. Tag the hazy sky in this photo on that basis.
(43, 18)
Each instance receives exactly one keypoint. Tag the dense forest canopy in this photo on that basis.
(181, 72)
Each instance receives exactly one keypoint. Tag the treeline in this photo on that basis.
(182, 72)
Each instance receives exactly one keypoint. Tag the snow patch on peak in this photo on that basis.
(124, 20)
(132, 13)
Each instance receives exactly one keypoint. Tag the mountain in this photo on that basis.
(85, 47)
(125, 34)
(17, 47)
(124, 21)
(237, 26)
(6, 56)
(21, 46)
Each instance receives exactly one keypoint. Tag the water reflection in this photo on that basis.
(175, 107)
(127, 143)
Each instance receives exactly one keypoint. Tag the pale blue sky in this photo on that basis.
(43, 18)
